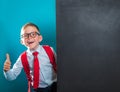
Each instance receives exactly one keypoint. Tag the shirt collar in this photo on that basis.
(31, 51)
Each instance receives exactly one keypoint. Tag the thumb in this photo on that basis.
(7, 63)
(7, 57)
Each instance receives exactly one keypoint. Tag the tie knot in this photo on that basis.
(35, 53)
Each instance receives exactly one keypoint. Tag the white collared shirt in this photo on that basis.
(47, 74)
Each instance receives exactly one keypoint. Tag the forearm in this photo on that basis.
(14, 72)
(10, 75)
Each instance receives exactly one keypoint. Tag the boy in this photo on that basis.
(39, 62)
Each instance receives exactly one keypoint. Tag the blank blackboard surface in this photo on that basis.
(88, 45)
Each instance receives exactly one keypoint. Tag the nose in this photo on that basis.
(29, 36)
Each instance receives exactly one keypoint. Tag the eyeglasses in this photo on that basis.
(32, 34)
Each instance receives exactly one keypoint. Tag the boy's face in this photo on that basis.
(31, 37)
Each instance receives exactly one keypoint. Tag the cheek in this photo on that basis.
(37, 40)
(23, 42)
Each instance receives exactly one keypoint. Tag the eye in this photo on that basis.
(33, 34)
(25, 35)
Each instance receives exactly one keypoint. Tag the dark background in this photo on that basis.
(88, 45)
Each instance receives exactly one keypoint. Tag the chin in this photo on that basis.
(31, 48)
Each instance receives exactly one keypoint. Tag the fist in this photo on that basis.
(7, 63)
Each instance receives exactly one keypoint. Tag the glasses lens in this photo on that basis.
(24, 36)
(33, 34)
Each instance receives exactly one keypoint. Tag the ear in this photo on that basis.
(21, 41)
(40, 38)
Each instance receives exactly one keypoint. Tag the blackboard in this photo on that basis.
(88, 45)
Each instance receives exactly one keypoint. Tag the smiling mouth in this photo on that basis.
(30, 43)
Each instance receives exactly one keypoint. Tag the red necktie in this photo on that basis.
(36, 71)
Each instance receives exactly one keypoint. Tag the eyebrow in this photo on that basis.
(31, 32)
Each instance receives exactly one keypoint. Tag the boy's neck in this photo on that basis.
(34, 49)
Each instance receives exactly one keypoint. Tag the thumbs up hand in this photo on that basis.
(7, 63)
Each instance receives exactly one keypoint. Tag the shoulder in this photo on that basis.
(48, 47)
(23, 53)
